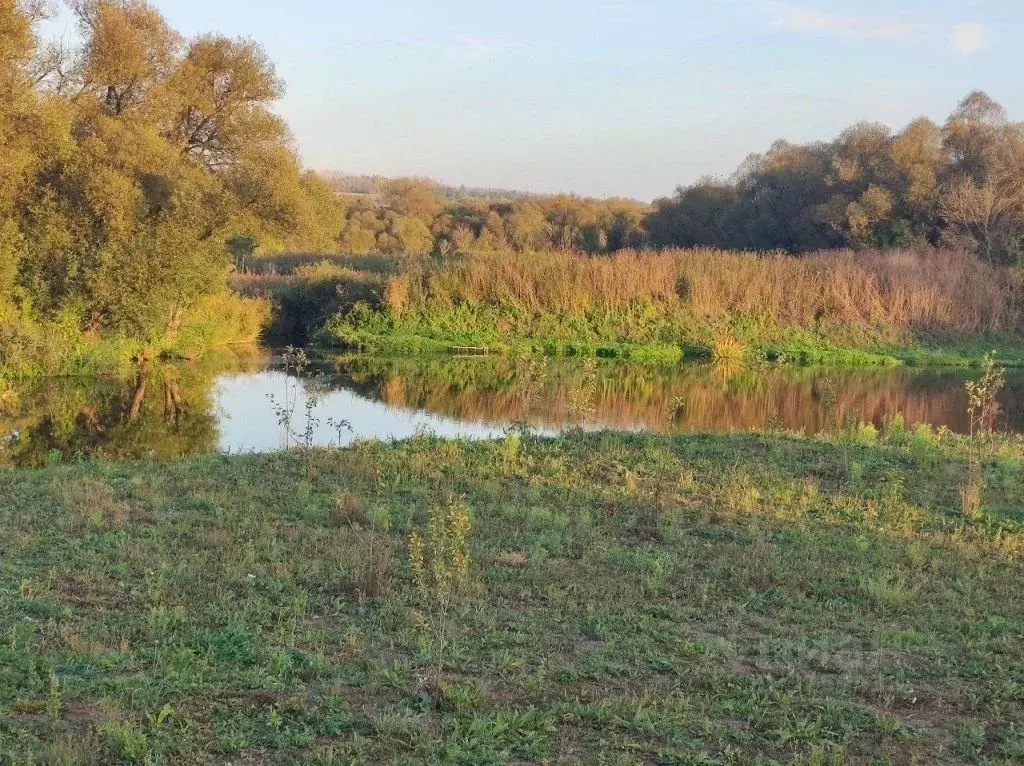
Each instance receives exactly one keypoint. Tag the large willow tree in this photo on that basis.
(130, 162)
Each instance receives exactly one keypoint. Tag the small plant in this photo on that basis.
(676, 409)
(340, 426)
(509, 448)
(54, 702)
(727, 348)
(983, 410)
(970, 492)
(982, 398)
(296, 364)
(440, 568)
(373, 562)
(348, 509)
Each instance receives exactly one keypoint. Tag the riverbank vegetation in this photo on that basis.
(845, 307)
(133, 166)
(714, 599)
(149, 191)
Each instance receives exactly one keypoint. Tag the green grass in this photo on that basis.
(646, 333)
(636, 599)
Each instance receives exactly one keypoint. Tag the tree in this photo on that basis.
(220, 96)
(412, 198)
(118, 196)
(988, 218)
(972, 134)
(406, 236)
(129, 52)
(528, 228)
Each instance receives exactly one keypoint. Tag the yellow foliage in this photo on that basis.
(727, 348)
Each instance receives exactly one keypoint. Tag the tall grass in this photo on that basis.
(933, 291)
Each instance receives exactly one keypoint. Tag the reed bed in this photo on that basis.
(927, 290)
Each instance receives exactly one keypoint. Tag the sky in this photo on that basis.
(607, 97)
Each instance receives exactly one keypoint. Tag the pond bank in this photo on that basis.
(667, 339)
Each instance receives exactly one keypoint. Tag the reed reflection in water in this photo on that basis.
(168, 411)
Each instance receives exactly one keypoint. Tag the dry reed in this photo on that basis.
(924, 290)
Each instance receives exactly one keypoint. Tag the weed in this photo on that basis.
(54, 703)
(296, 364)
(440, 568)
(982, 395)
(725, 348)
(983, 409)
(373, 557)
(348, 510)
(971, 490)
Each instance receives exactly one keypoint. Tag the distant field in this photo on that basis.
(631, 599)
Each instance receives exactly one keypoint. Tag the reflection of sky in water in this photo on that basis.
(248, 422)
(178, 410)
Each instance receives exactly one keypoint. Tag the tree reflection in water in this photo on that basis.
(167, 410)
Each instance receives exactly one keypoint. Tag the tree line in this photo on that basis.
(409, 216)
(960, 184)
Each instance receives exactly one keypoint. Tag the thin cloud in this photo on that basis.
(968, 38)
(791, 17)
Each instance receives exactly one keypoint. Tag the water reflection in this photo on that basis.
(167, 411)
(673, 398)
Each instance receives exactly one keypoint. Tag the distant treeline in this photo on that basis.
(410, 217)
(348, 183)
(960, 184)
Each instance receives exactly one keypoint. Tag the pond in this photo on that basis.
(234, 403)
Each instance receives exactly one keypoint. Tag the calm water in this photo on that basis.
(228, 404)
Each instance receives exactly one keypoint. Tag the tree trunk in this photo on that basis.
(174, 320)
(139, 396)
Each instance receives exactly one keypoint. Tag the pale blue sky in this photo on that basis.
(608, 97)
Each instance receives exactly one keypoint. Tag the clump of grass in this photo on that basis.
(726, 348)
(971, 490)
(373, 559)
(348, 509)
(94, 506)
(739, 492)
(396, 295)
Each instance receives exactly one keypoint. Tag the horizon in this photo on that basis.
(604, 102)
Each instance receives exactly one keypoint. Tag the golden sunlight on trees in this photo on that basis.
(959, 184)
(129, 164)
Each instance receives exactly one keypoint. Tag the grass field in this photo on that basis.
(631, 599)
